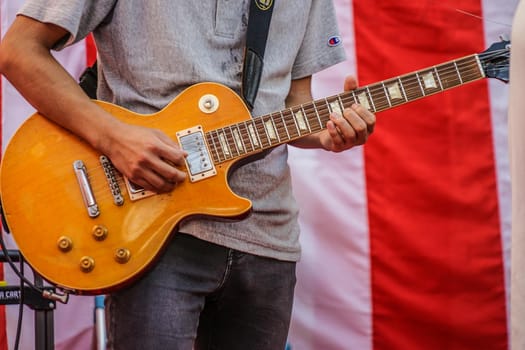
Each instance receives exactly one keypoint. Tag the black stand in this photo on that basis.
(43, 307)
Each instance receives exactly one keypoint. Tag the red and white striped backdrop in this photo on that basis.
(405, 240)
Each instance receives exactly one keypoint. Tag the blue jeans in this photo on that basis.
(203, 296)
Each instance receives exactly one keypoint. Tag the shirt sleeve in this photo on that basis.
(322, 45)
(78, 17)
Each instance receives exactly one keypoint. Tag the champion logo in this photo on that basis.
(334, 41)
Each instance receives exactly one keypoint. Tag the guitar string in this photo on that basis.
(411, 83)
(384, 100)
(311, 108)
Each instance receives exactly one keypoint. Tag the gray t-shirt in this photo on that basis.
(149, 51)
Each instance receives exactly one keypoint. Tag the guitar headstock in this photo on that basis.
(495, 60)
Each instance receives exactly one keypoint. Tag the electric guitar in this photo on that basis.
(88, 230)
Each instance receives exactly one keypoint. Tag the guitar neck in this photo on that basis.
(270, 130)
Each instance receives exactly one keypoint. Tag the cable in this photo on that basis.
(15, 269)
(20, 307)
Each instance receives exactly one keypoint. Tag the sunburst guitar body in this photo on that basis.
(63, 206)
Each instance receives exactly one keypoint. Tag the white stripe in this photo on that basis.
(332, 307)
(517, 173)
(497, 21)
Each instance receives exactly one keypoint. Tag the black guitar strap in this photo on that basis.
(88, 81)
(257, 33)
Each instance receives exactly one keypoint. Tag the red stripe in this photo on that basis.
(436, 256)
(91, 50)
(3, 330)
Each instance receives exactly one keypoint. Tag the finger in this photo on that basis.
(354, 127)
(350, 83)
(158, 176)
(169, 160)
(342, 133)
(170, 151)
(169, 171)
(338, 141)
(368, 117)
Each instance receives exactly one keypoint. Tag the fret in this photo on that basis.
(457, 70)
(379, 97)
(334, 106)
(254, 136)
(220, 151)
(324, 109)
(247, 141)
(479, 67)
(354, 97)
(371, 99)
(279, 127)
(233, 142)
(402, 89)
(228, 132)
(320, 123)
(362, 99)
(297, 127)
(322, 113)
(470, 69)
(293, 120)
(448, 76)
(341, 102)
(395, 92)
(302, 120)
(429, 82)
(229, 140)
(283, 120)
(438, 78)
(220, 154)
(420, 84)
(223, 143)
(386, 94)
(211, 141)
(261, 129)
(412, 87)
(237, 139)
(256, 132)
(271, 130)
(278, 130)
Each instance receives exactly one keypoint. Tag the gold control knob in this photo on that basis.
(99, 232)
(65, 244)
(87, 264)
(122, 255)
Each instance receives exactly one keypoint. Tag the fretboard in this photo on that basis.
(267, 131)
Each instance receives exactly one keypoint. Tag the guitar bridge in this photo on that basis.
(199, 162)
(111, 177)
